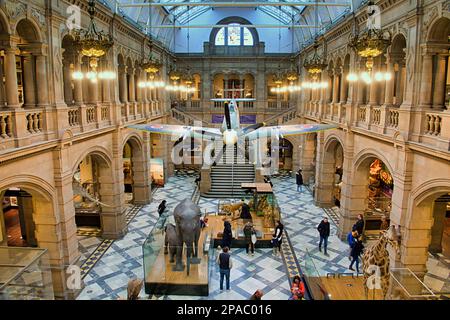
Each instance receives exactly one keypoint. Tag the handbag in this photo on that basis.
(253, 237)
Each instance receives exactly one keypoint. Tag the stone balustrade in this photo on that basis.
(433, 124)
(362, 117)
(375, 117)
(104, 113)
(34, 121)
(5, 125)
(74, 116)
(392, 118)
(90, 115)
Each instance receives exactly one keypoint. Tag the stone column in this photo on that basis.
(78, 84)
(124, 86)
(92, 92)
(324, 175)
(389, 86)
(374, 87)
(12, 96)
(343, 83)
(439, 82)
(41, 81)
(28, 79)
(426, 80)
(437, 230)
(2, 88)
(67, 78)
(401, 83)
(132, 97)
(335, 86)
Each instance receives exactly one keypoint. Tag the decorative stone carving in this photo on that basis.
(15, 9)
(40, 18)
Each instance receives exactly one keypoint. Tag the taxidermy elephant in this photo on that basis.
(187, 220)
(170, 241)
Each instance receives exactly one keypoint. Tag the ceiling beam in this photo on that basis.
(233, 4)
(203, 26)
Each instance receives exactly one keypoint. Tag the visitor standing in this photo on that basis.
(324, 232)
(277, 238)
(356, 252)
(162, 207)
(359, 225)
(225, 265)
(299, 178)
(227, 234)
(249, 231)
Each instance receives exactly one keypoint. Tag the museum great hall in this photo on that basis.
(357, 93)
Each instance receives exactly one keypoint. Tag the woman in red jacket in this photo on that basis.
(298, 289)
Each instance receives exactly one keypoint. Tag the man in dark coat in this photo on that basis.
(359, 225)
(299, 179)
(227, 234)
(245, 211)
(324, 232)
(355, 253)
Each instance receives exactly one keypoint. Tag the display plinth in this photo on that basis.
(161, 279)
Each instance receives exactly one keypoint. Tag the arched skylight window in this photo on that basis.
(234, 35)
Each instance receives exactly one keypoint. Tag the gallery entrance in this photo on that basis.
(17, 216)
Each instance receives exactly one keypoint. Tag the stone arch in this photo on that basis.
(326, 194)
(368, 153)
(99, 151)
(439, 30)
(4, 25)
(137, 177)
(39, 213)
(234, 19)
(29, 30)
(424, 222)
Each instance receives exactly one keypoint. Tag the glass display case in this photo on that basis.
(313, 279)
(160, 273)
(25, 274)
(405, 285)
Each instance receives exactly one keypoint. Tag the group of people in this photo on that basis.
(224, 259)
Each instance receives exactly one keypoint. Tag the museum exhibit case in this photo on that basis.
(167, 268)
(25, 274)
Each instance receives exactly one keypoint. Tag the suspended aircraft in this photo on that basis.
(231, 130)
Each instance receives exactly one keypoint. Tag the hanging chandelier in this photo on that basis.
(315, 66)
(152, 67)
(93, 44)
(370, 44)
(174, 76)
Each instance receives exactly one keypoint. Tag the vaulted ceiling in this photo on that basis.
(286, 12)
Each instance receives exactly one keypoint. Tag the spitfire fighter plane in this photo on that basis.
(231, 130)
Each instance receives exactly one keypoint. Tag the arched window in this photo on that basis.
(234, 35)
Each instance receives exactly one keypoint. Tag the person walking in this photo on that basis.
(277, 238)
(324, 232)
(299, 178)
(359, 225)
(351, 238)
(227, 234)
(356, 252)
(249, 231)
(225, 264)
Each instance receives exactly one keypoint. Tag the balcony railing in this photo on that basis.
(392, 119)
(90, 115)
(74, 117)
(433, 124)
(375, 116)
(5, 125)
(34, 122)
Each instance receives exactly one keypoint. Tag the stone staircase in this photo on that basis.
(231, 169)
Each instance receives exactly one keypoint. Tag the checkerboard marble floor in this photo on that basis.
(123, 260)
(301, 218)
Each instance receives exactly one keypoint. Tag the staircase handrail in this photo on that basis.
(279, 115)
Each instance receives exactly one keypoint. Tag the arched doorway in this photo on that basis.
(330, 173)
(285, 161)
(372, 191)
(17, 216)
(135, 173)
(88, 192)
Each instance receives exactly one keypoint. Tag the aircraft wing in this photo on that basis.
(287, 130)
(179, 131)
